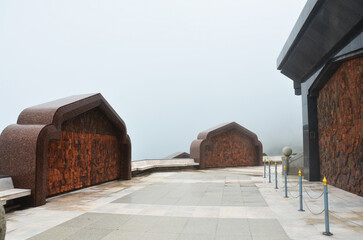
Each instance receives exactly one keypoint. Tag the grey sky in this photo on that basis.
(169, 68)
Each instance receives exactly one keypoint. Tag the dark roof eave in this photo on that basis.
(321, 30)
(297, 30)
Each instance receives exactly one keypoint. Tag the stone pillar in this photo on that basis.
(2, 221)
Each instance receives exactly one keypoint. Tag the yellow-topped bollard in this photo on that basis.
(327, 232)
(276, 175)
(300, 191)
(264, 168)
(285, 181)
(325, 182)
(269, 171)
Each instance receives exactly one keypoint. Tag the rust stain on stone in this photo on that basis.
(230, 149)
(340, 127)
(226, 145)
(87, 154)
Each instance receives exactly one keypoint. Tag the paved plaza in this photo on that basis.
(230, 203)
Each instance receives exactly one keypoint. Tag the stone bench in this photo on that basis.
(7, 190)
(158, 165)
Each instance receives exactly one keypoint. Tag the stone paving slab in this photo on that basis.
(160, 227)
(197, 194)
(96, 213)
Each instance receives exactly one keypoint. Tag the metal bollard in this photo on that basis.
(264, 168)
(327, 232)
(300, 191)
(285, 182)
(269, 171)
(276, 175)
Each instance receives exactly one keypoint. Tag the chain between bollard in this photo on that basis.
(311, 196)
(314, 213)
(293, 185)
(290, 186)
(280, 185)
(292, 194)
(325, 193)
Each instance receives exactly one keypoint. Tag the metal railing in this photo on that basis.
(302, 189)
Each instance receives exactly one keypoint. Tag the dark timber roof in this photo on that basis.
(323, 28)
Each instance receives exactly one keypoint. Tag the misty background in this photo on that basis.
(170, 69)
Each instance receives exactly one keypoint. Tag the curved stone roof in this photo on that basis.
(23, 145)
(205, 136)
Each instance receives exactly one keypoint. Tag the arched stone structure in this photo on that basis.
(65, 145)
(227, 145)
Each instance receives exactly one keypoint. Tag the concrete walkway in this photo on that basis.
(231, 203)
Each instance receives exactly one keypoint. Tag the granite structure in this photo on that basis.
(324, 57)
(65, 145)
(226, 145)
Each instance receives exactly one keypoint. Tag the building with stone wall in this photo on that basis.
(226, 145)
(324, 57)
(65, 145)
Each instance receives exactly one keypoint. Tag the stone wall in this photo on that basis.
(230, 149)
(296, 163)
(340, 127)
(64, 145)
(226, 145)
(87, 154)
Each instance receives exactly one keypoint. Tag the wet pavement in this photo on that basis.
(230, 203)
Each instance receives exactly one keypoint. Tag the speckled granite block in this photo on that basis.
(227, 145)
(64, 145)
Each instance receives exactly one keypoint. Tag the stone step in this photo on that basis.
(14, 193)
(8, 192)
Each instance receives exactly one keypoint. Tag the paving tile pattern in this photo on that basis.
(92, 213)
(118, 226)
(197, 194)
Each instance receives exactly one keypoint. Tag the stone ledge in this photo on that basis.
(158, 165)
(10, 194)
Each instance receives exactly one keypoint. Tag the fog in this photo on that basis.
(170, 69)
